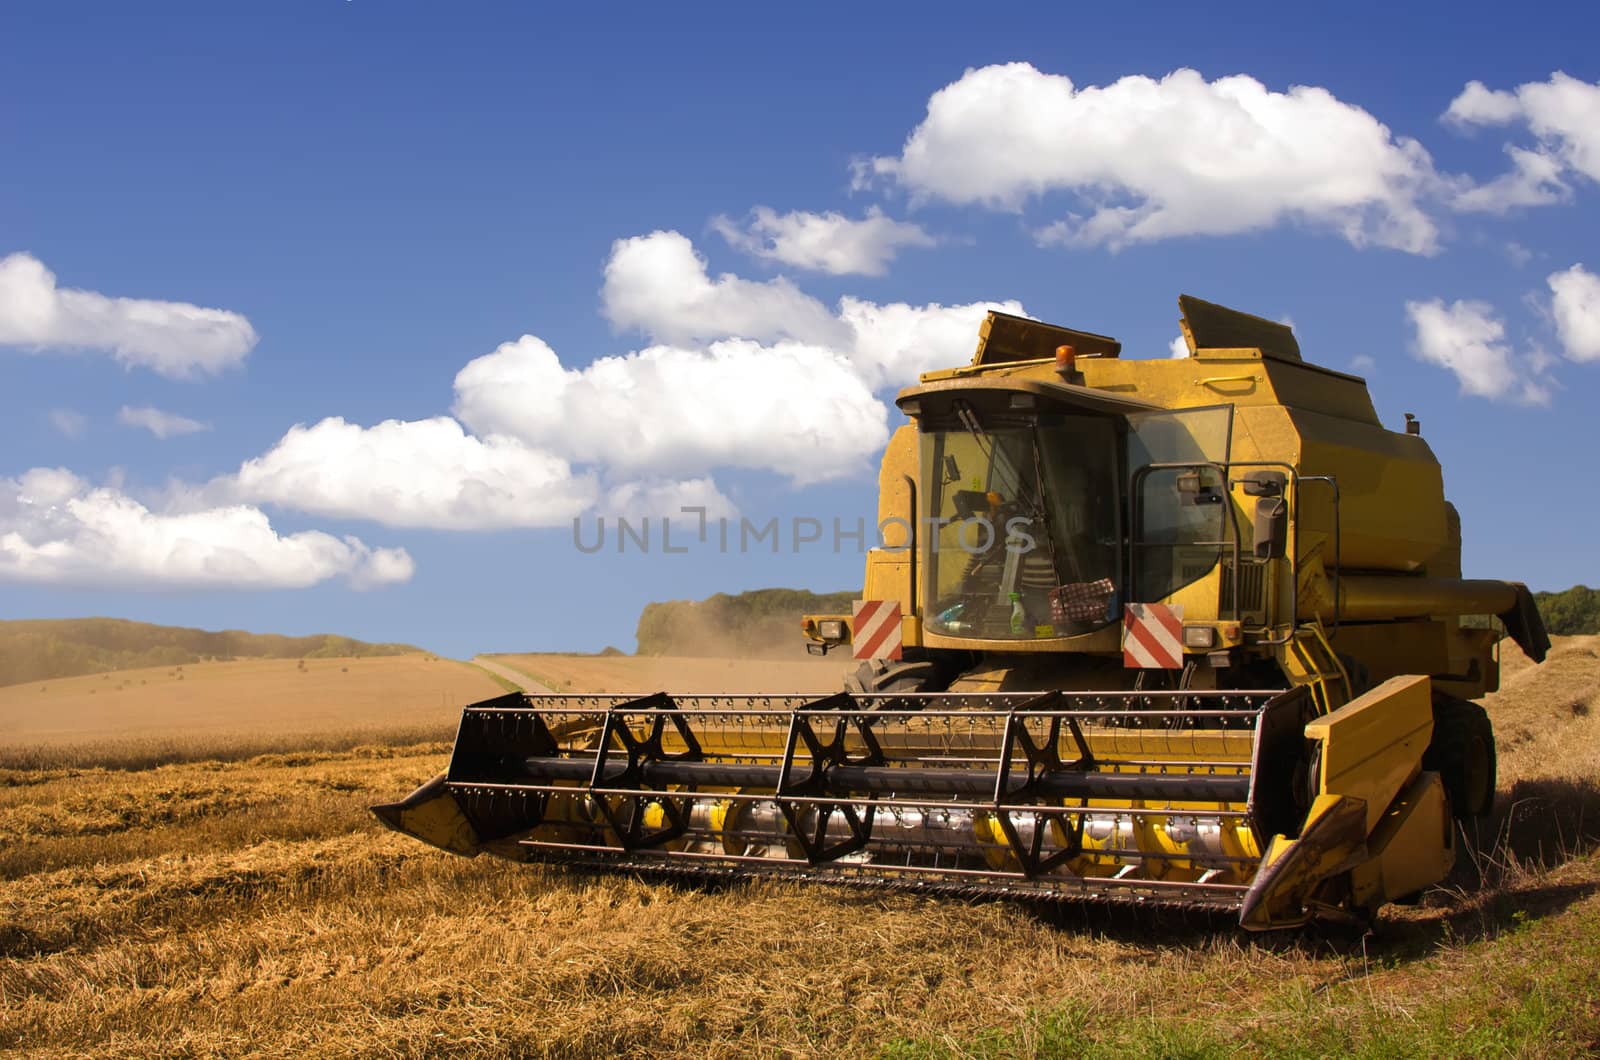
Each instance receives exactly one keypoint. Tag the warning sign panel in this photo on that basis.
(1152, 637)
(875, 629)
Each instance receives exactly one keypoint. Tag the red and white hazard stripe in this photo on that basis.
(875, 629)
(1152, 637)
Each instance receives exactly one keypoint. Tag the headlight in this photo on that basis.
(831, 629)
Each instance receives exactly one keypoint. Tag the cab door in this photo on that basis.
(1181, 520)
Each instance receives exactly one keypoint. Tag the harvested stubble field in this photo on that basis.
(250, 906)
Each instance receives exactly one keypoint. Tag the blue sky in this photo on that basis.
(329, 210)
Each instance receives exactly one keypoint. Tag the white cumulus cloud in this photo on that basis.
(1575, 306)
(665, 498)
(657, 284)
(57, 529)
(1153, 159)
(174, 339)
(825, 242)
(793, 408)
(891, 344)
(1563, 114)
(1535, 179)
(1478, 105)
(161, 424)
(1469, 339)
(740, 374)
(417, 473)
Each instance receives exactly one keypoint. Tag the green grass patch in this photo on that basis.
(1527, 988)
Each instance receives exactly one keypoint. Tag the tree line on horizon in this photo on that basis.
(1570, 612)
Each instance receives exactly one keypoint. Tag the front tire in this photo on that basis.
(895, 675)
(1463, 754)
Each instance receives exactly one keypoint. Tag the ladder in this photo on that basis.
(1310, 660)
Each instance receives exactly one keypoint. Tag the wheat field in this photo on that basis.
(247, 904)
(238, 701)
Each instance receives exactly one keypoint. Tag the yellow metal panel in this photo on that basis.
(1391, 493)
(888, 577)
(432, 815)
(894, 491)
(1199, 598)
(1332, 842)
(1186, 383)
(889, 568)
(1389, 649)
(1413, 846)
(1372, 747)
(1321, 390)
(1265, 433)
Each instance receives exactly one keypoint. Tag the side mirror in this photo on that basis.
(1271, 527)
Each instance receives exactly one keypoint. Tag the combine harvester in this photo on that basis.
(1181, 631)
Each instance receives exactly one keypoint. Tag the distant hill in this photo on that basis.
(1570, 612)
(44, 649)
(759, 623)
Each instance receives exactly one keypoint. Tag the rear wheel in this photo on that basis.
(1462, 753)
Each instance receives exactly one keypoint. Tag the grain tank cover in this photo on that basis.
(1208, 326)
(1005, 339)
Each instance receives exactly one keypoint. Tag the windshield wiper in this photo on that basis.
(969, 420)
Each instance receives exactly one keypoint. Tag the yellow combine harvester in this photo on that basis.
(1187, 631)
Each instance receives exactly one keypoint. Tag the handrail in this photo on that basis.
(1333, 482)
(911, 485)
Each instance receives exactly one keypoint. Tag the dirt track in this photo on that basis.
(516, 677)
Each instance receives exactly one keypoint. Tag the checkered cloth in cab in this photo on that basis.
(1081, 601)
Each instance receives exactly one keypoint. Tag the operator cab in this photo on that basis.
(1027, 525)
